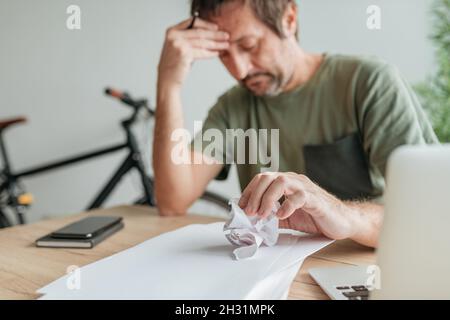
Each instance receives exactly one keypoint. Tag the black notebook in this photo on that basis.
(51, 242)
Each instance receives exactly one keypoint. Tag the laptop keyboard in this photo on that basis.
(354, 292)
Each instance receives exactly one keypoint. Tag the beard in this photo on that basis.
(262, 84)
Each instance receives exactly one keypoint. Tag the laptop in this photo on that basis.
(413, 257)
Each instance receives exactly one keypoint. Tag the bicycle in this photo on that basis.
(14, 196)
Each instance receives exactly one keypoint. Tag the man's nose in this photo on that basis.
(239, 66)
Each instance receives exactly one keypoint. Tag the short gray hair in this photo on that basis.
(268, 11)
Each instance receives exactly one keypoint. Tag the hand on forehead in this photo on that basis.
(238, 20)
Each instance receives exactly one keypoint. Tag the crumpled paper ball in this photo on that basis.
(249, 233)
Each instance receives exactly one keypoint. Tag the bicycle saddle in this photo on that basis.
(5, 123)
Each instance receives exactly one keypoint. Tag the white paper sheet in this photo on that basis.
(190, 263)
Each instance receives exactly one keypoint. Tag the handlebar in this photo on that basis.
(128, 100)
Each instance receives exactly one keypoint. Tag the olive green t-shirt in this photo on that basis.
(339, 128)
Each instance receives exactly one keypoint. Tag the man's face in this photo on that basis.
(257, 57)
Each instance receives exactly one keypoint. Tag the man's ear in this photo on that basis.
(289, 22)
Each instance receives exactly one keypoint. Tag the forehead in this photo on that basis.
(238, 19)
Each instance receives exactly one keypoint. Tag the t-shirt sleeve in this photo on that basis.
(210, 141)
(390, 115)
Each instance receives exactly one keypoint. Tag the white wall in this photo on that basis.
(55, 77)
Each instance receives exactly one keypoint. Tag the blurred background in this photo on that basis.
(55, 77)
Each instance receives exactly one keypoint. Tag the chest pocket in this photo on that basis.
(340, 168)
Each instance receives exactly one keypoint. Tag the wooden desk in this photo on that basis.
(25, 268)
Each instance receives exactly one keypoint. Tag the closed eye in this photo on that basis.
(248, 45)
(248, 48)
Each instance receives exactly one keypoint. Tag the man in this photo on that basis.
(339, 118)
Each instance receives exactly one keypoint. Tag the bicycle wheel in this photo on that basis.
(4, 221)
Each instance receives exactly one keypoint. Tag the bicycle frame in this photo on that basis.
(69, 161)
(132, 161)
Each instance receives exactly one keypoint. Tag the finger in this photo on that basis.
(183, 24)
(202, 23)
(292, 202)
(199, 23)
(204, 54)
(273, 193)
(254, 201)
(243, 201)
(209, 44)
(206, 34)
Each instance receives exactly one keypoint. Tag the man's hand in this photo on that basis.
(309, 208)
(183, 46)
